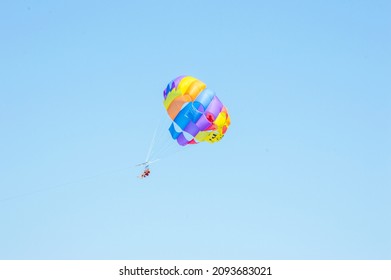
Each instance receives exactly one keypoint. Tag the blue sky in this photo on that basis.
(303, 172)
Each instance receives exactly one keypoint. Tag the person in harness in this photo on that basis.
(146, 172)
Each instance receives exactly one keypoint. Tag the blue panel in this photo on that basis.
(193, 112)
(182, 119)
(173, 132)
(205, 97)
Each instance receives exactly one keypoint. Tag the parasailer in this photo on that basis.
(197, 115)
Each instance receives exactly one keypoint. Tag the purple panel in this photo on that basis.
(182, 140)
(166, 91)
(203, 123)
(173, 84)
(192, 129)
(215, 106)
(201, 108)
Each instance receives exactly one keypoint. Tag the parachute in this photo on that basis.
(196, 112)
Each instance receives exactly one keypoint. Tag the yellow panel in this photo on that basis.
(185, 83)
(200, 137)
(214, 136)
(195, 88)
(220, 120)
(209, 136)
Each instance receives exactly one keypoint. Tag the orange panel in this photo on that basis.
(176, 105)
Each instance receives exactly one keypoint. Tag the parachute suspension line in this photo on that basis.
(155, 139)
(152, 142)
(173, 150)
(165, 145)
(170, 147)
(162, 143)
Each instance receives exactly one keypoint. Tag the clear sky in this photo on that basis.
(304, 172)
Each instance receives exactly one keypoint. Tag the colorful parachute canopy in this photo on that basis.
(197, 113)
